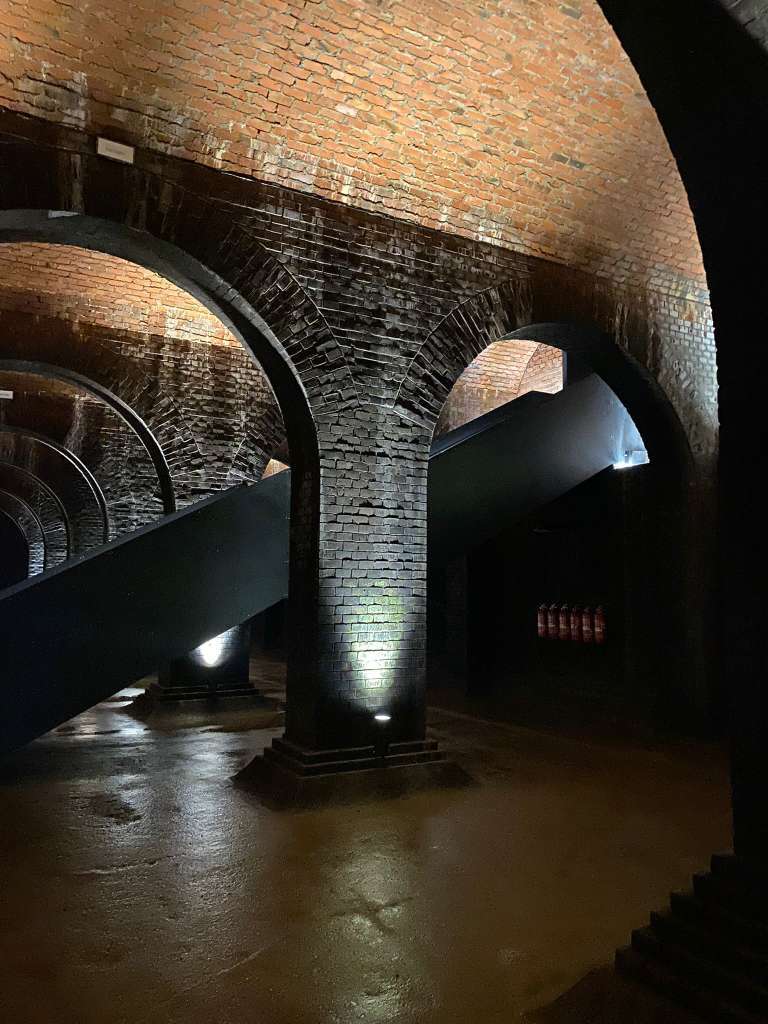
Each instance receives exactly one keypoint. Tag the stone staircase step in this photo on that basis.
(712, 945)
(728, 865)
(733, 892)
(185, 693)
(707, 974)
(742, 930)
(708, 1003)
(310, 757)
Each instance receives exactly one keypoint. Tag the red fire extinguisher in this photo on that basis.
(587, 626)
(576, 624)
(541, 621)
(553, 622)
(600, 630)
(565, 622)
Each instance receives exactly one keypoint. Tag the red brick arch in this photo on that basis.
(136, 214)
(567, 318)
(189, 240)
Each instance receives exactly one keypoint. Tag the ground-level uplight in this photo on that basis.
(213, 651)
(382, 718)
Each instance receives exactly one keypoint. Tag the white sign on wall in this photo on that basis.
(115, 150)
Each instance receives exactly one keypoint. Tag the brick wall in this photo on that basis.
(502, 372)
(519, 122)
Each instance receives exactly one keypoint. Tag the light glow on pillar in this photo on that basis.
(212, 651)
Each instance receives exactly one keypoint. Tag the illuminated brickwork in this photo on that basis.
(54, 280)
(519, 122)
(502, 372)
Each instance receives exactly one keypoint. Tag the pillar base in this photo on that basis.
(288, 776)
(709, 951)
(169, 693)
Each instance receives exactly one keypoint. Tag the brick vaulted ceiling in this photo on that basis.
(65, 281)
(514, 121)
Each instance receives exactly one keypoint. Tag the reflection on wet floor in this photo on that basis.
(141, 886)
(105, 719)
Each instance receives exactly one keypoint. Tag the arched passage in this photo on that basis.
(31, 525)
(638, 391)
(75, 462)
(44, 501)
(547, 308)
(44, 460)
(651, 503)
(91, 430)
(229, 273)
(55, 343)
(271, 317)
(504, 371)
(14, 552)
(123, 410)
(236, 278)
(271, 307)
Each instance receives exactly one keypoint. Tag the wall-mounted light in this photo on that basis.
(383, 717)
(632, 457)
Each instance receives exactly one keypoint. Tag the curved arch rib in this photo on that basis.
(76, 463)
(7, 498)
(121, 408)
(50, 493)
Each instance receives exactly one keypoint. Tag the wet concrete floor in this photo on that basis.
(140, 886)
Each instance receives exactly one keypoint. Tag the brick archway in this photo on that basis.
(183, 237)
(68, 475)
(663, 568)
(117, 384)
(30, 525)
(181, 234)
(25, 485)
(538, 310)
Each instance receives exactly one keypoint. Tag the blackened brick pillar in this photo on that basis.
(357, 642)
(368, 649)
